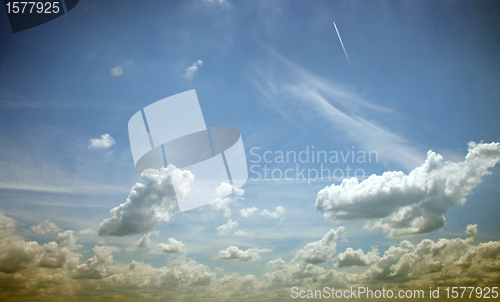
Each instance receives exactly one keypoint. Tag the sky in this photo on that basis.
(407, 129)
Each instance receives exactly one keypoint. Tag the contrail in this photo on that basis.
(342, 43)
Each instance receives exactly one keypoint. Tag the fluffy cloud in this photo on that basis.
(28, 269)
(232, 194)
(95, 267)
(104, 142)
(151, 201)
(453, 261)
(17, 254)
(227, 227)
(234, 253)
(276, 264)
(321, 250)
(277, 214)
(248, 212)
(171, 247)
(351, 257)
(45, 227)
(401, 204)
(445, 258)
(191, 70)
(306, 262)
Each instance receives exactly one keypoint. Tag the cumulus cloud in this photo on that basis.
(104, 142)
(276, 264)
(232, 194)
(234, 253)
(321, 250)
(151, 201)
(29, 269)
(61, 253)
(171, 247)
(351, 257)
(227, 227)
(45, 227)
(17, 254)
(95, 267)
(446, 257)
(191, 70)
(401, 204)
(427, 264)
(248, 212)
(277, 214)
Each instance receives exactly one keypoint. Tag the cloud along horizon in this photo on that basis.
(401, 204)
(27, 267)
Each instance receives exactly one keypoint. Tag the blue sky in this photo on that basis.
(424, 75)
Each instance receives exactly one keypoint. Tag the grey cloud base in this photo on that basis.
(401, 204)
(57, 271)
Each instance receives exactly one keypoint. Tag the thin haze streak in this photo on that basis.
(342, 43)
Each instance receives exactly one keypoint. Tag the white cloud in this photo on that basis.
(401, 204)
(277, 214)
(191, 70)
(351, 257)
(232, 194)
(276, 264)
(151, 201)
(233, 253)
(226, 228)
(248, 212)
(242, 233)
(45, 227)
(17, 254)
(322, 250)
(171, 247)
(104, 142)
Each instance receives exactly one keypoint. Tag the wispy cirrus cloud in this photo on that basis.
(193, 69)
(298, 95)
